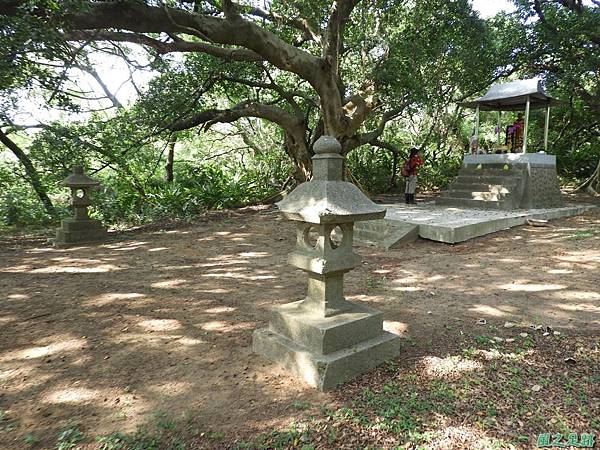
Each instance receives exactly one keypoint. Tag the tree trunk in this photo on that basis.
(393, 183)
(170, 157)
(592, 184)
(296, 147)
(31, 172)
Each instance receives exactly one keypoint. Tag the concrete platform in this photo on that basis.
(451, 224)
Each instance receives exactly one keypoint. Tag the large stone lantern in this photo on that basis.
(325, 339)
(80, 228)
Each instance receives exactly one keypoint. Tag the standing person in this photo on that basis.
(411, 168)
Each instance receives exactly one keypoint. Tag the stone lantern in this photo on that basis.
(325, 339)
(80, 228)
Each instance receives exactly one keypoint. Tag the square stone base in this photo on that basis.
(74, 232)
(326, 351)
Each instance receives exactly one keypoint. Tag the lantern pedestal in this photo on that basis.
(324, 339)
(73, 231)
(325, 351)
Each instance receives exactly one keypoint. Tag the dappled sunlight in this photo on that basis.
(107, 299)
(435, 278)
(230, 262)
(531, 287)
(583, 307)
(395, 327)
(222, 326)
(450, 367)
(254, 254)
(487, 310)
(180, 267)
(159, 324)
(229, 269)
(509, 260)
(190, 342)
(409, 279)
(72, 395)
(68, 345)
(585, 257)
(100, 268)
(170, 328)
(170, 388)
(578, 295)
(220, 310)
(169, 284)
(408, 289)
(23, 380)
(21, 268)
(21, 371)
(230, 274)
(8, 319)
(466, 437)
(559, 271)
(215, 291)
(495, 354)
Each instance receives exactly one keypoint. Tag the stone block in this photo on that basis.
(74, 232)
(321, 371)
(385, 233)
(324, 335)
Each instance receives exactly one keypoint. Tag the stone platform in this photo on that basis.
(454, 224)
(505, 182)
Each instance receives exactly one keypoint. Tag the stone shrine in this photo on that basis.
(325, 339)
(520, 179)
(80, 229)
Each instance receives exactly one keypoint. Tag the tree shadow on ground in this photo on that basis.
(109, 337)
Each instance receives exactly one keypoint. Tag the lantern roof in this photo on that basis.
(78, 179)
(513, 97)
(327, 198)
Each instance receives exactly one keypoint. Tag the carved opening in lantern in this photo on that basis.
(311, 236)
(79, 193)
(336, 237)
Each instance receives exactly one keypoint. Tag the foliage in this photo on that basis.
(240, 127)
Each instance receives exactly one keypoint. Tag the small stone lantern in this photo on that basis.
(80, 228)
(325, 339)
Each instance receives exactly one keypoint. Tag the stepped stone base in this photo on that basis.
(326, 351)
(505, 182)
(384, 233)
(73, 232)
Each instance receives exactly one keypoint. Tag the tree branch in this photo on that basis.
(228, 54)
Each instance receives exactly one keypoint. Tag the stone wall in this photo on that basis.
(542, 189)
(539, 187)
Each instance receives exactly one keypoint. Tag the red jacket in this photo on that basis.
(413, 164)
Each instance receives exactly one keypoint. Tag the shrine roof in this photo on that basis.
(513, 96)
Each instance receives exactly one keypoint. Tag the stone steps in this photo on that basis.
(514, 172)
(490, 187)
(489, 179)
(490, 195)
(479, 187)
(385, 233)
(504, 205)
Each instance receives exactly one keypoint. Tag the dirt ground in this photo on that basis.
(155, 322)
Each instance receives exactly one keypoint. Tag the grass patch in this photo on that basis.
(584, 234)
(507, 403)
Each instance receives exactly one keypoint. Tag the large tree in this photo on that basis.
(345, 68)
(562, 44)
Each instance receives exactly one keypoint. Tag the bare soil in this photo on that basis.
(159, 320)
